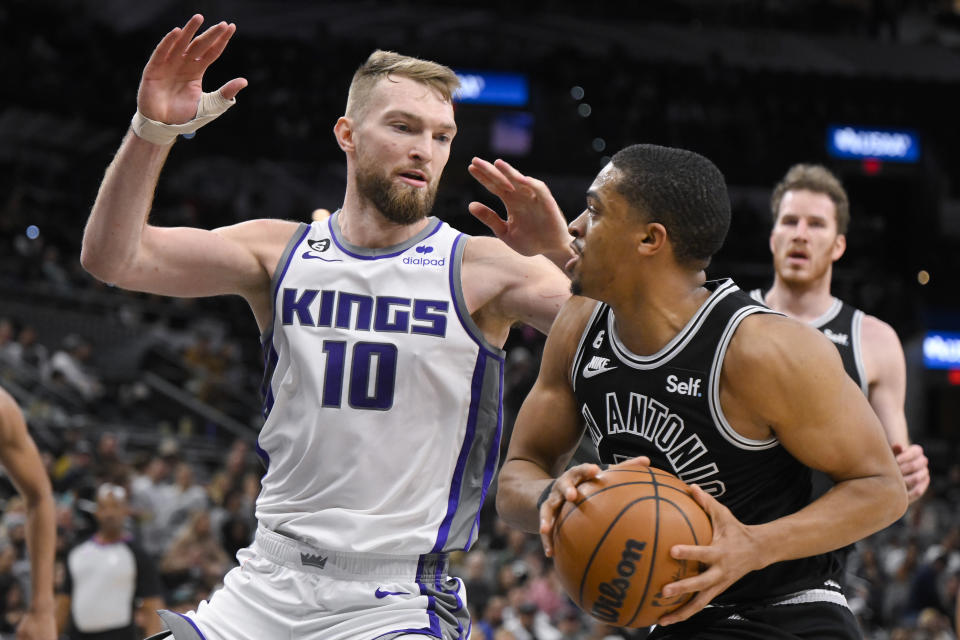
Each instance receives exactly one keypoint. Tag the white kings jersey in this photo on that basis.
(382, 398)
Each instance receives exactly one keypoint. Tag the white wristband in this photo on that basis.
(211, 106)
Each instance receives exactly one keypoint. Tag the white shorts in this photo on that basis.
(287, 590)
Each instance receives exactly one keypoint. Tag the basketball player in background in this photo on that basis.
(382, 331)
(23, 465)
(811, 213)
(698, 379)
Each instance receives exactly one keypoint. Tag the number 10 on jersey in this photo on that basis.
(373, 374)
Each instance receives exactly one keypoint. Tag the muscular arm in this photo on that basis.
(548, 427)
(780, 376)
(886, 373)
(793, 381)
(119, 246)
(502, 287)
(20, 458)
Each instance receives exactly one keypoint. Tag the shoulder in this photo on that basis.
(564, 337)
(261, 230)
(573, 317)
(487, 248)
(766, 342)
(876, 334)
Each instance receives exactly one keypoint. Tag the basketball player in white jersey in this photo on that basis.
(382, 331)
(811, 213)
(699, 379)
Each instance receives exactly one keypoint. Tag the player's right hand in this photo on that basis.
(535, 225)
(171, 85)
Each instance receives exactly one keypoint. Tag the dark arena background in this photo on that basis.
(161, 395)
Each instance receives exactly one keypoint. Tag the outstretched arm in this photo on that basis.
(20, 458)
(887, 376)
(119, 246)
(535, 225)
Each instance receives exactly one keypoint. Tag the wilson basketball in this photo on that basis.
(612, 549)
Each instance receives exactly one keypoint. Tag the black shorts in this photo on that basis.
(814, 614)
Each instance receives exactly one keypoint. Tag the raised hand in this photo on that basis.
(171, 85)
(534, 225)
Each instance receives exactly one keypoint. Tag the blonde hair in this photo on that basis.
(383, 64)
(816, 178)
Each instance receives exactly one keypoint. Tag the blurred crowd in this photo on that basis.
(191, 516)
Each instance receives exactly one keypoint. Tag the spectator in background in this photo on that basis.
(183, 497)
(27, 350)
(108, 464)
(14, 609)
(529, 623)
(52, 270)
(108, 577)
(71, 362)
(195, 556)
(74, 471)
(149, 500)
(8, 331)
(234, 521)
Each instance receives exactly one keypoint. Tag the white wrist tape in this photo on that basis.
(211, 106)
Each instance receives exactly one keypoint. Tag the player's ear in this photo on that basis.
(652, 238)
(839, 246)
(344, 131)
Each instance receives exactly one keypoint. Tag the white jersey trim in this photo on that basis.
(828, 315)
(719, 419)
(677, 344)
(460, 303)
(856, 332)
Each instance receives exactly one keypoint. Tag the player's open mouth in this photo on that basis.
(414, 178)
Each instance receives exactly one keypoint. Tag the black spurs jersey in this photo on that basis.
(841, 324)
(667, 406)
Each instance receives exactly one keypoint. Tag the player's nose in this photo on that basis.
(577, 227)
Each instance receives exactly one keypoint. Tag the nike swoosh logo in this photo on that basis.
(589, 373)
(306, 255)
(380, 593)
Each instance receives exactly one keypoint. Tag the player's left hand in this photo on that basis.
(37, 626)
(730, 555)
(535, 225)
(913, 467)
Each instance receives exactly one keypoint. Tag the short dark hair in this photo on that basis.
(818, 179)
(681, 190)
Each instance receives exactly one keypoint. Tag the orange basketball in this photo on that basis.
(612, 549)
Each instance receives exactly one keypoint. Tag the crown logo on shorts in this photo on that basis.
(317, 561)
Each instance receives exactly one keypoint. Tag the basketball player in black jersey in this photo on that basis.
(697, 378)
(811, 214)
